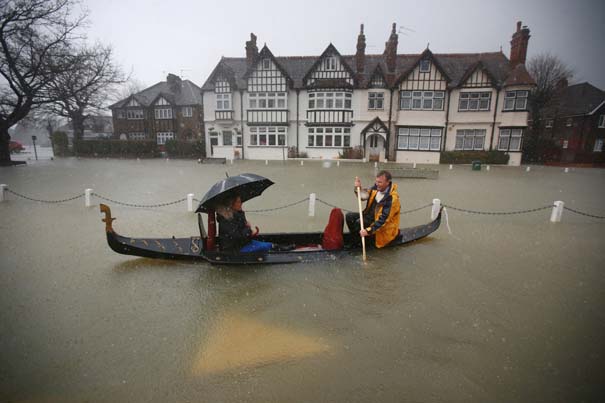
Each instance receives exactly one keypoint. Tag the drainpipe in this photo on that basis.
(203, 124)
(241, 98)
(447, 118)
(491, 139)
(297, 120)
(390, 131)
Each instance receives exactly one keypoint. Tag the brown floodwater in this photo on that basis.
(503, 309)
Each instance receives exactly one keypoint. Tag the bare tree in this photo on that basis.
(33, 36)
(130, 87)
(549, 72)
(85, 89)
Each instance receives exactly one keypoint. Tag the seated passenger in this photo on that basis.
(235, 232)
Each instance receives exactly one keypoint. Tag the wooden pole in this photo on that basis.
(363, 238)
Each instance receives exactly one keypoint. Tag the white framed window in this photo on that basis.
(187, 111)
(376, 100)
(549, 123)
(470, 139)
(421, 100)
(121, 114)
(474, 101)
(569, 122)
(223, 102)
(163, 113)
(161, 102)
(213, 138)
(267, 100)
(266, 64)
(330, 100)
(419, 138)
(134, 114)
(268, 136)
(137, 136)
(227, 138)
(598, 145)
(329, 137)
(565, 144)
(601, 121)
(162, 137)
(515, 100)
(510, 139)
(425, 66)
(330, 63)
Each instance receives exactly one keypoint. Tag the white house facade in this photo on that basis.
(402, 108)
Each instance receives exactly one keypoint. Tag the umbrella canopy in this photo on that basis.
(247, 186)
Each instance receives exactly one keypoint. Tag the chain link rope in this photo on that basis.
(278, 208)
(44, 201)
(138, 205)
(499, 212)
(584, 214)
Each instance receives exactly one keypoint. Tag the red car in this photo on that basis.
(15, 147)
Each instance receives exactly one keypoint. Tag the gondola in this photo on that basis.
(199, 248)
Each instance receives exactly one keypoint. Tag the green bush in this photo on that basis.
(116, 148)
(185, 149)
(60, 144)
(467, 157)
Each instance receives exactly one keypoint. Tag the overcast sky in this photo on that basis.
(152, 38)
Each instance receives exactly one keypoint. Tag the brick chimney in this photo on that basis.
(360, 56)
(174, 83)
(518, 45)
(251, 50)
(390, 49)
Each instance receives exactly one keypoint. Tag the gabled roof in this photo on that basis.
(329, 49)
(426, 55)
(263, 54)
(474, 67)
(188, 95)
(453, 65)
(579, 99)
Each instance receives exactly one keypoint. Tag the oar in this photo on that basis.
(363, 238)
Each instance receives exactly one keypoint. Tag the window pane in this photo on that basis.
(262, 139)
(521, 102)
(424, 143)
(459, 141)
(417, 103)
(328, 141)
(281, 139)
(463, 104)
(310, 142)
(435, 143)
(272, 139)
(403, 142)
(515, 143)
(320, 103)
(468, 141)
(319, 141)
(347, 141)
(337, 141)
(227, 138)
(413, 143)
(509, 104)
(428, 104)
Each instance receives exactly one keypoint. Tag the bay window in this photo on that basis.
(268, 136)
(474, 101)
(419, 138)
(469, 139)
(421, 100)
(267, 100)
(329, 137)
(330, 100)
(515, 100)
(510, 139)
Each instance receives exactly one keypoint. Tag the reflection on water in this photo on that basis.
(509, 308)
(238, 342)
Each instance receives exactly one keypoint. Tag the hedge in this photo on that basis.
(116, 148)
(60, 144)
(467, 157)
(185, 149)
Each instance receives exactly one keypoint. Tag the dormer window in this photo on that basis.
(330, 63)
(425, 66)
(601, 121)
(163, 113)
(266, 64)
(162, 102)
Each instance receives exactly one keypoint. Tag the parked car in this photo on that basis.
(15, 147)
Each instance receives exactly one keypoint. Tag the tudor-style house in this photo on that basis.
(404, 108)
(170, 109)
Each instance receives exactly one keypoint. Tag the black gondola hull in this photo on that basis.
(308, 246)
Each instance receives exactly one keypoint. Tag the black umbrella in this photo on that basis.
(247, 186)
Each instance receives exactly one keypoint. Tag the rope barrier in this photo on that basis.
(139, 205)
(584, 214)
(45, 201)
(499, 212)
(533, 210)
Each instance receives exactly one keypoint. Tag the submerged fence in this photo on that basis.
(556, 214)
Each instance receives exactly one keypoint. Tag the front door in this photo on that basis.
(375, 147)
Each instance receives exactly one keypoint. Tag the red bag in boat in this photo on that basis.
(332, 237)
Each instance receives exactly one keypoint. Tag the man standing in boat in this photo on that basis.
(381, 215)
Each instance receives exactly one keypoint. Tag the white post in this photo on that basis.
(312, 197)
(451, 167)
(190, 202)
(557, 211)
(375, 164)
(386, 161)
(566, 170)
(87, 194)
(435, 209)
(527, 169)
(266, 162)
(414, 165)
(487, 168)
(337, 163)
(363, 160)
(302, 163)
(3, 188)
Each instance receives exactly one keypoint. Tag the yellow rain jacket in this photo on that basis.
(386, 216)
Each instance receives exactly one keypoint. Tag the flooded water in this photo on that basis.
(503, 309)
